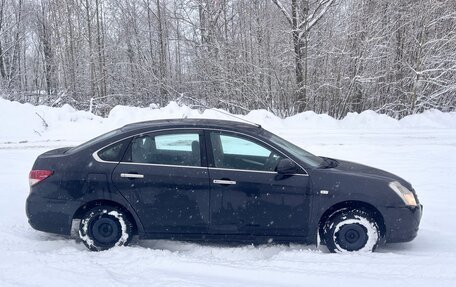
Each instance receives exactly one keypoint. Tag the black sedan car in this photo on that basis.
(213, 180)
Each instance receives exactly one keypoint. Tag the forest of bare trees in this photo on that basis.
(286, 56)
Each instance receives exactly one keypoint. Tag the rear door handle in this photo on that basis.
(132, 175)
(223, 181)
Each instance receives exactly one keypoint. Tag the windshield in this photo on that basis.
(94, 141)
(304, 156)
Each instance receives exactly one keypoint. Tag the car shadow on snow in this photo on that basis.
(73, 240)
(47, 242)
(186, 246)
(395, 247)
(174, 246)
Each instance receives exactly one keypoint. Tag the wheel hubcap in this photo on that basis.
(352, 237)
(106, 230)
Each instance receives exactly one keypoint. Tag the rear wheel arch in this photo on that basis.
(83, 209)
(351, 205)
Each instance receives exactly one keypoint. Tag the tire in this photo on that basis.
(104, 227)
(351, 230)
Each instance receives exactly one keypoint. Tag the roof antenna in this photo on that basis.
(233, 116)
(200, 104)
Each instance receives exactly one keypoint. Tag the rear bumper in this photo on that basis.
(49, 215)
(402, 223)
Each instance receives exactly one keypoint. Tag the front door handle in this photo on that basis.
(223, 181)
(132, 175)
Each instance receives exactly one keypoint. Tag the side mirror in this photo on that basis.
(287, 167)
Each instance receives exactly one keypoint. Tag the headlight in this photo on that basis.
(403, 192)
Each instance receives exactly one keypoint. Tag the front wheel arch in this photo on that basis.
(352, 204)
(351, 230)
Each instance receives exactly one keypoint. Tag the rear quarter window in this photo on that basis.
(113, 152)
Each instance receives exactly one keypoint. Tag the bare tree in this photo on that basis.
(2, 64)
(301, 20)
(330, 56)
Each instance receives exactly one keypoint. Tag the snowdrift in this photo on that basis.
(25, 122)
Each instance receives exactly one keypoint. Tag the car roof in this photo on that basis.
(192, 123)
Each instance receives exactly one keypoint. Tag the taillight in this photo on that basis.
(38, 175)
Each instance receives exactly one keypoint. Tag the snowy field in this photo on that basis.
(420, 148)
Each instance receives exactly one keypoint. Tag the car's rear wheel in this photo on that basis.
(104, 227)
(351, 230)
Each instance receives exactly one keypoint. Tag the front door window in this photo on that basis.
(234, 152)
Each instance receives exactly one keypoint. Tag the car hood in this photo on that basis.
(360, 169)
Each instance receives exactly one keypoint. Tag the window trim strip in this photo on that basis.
(97, 158)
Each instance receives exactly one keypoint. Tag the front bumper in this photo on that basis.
(402, 223)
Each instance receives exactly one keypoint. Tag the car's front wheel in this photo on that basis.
(104, 227)
(351, 230)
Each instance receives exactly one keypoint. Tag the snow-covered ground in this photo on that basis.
(420, 148)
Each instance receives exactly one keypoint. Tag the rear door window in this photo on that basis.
(181, 149)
